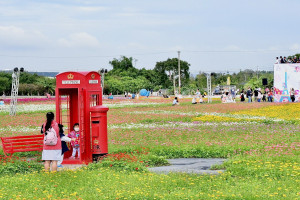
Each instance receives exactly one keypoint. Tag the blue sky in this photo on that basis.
(212, 35)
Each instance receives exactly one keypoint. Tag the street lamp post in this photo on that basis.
(103, 72)
(15, 90)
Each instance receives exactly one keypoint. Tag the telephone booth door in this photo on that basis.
(71, 110)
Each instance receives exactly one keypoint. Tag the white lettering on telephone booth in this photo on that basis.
(71, 82)
(93, 81)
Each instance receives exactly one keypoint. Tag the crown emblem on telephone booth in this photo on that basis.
(70, 76)
(93, 76)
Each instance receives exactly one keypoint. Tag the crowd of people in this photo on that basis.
(285, 60)
(251, 95)
(228, 96)
(257, 95)
(196, 99)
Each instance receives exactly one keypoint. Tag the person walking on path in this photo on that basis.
(242, 96)
(270, 96)
(255, 94)
(51, 153)
(249, 95)
(259, 96)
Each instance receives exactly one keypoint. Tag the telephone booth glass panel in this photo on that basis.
(64, 112)
(94, 99)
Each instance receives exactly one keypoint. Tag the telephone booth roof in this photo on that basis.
(88, 80)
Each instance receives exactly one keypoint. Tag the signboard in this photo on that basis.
(70, 82)
(93, 81)
(286, 77)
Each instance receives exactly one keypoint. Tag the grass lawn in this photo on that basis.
(260, 141)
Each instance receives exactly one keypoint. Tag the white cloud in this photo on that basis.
(175, 48)
(12, 36)
(81, 39)
(295, 47)
(232, 48)
(92, 8)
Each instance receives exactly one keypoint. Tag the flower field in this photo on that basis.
(261, 142)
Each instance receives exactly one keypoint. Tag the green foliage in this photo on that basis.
(4, 84)
(117, 85)
(16, 165)
(30, 84)
(48, 84)
(122, 64)
(242, 80)
(257, 83)
(167, 69)
(136, 160)
(189, 89)
(198, 152)
(31, 89)
(28, 78)
(125, 77)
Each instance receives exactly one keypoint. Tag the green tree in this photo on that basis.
(167, 69)
(48, 84)
(122, 64)
(26, 77)
(201, 81)
(4, 84)
(151, 76)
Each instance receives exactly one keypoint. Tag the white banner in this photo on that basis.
(286, 77)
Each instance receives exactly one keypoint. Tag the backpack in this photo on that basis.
(50, 138)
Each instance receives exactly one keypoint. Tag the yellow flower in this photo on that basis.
(288, 111)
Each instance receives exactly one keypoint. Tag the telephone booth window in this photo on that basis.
(64, 111)
(94, 100)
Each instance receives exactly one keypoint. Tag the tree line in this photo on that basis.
(29, 84)
(126, 77)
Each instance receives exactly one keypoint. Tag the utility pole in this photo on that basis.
(208, 85)
(179, 83)
(174, 82)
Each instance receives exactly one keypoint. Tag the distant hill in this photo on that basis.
(47, 74)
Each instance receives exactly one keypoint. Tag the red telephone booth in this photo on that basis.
(79, 100)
